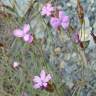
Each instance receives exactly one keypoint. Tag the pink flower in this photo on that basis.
(24, 33)
(47, 9)
(55, 22)
(62, 20)
(42, 80)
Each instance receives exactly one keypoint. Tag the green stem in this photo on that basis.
(56, 90)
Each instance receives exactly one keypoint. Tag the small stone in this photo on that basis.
(74, 3)
(67, 56)
(57, 50)
(74, 54)
(91, 1)
(70, 84)
(93, 9)
(69, 4)
(62, 65)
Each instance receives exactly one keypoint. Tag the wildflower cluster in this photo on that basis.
(59, 19)
(56, 20)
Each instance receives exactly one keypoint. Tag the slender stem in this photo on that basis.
(84, 60)
(82, 54)
(56, 90)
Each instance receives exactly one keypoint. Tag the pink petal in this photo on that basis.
(48, 13)
(45, 84)
(42, 75)
(61, 14)
(37, 79)
(18, 33)
(48, 77)
(43, 12)
(48, 5)
(47, 9)
(28, 38)
(26, 28)
(36, 86)
(65, 22)
(55, 22)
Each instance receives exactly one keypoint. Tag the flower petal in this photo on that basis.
(43, 12)
(55, 22)
(45, 84)
(36, 86)
(18, 33)
(47, 9)
(26, 28)
(61, 14)
(42, 75)
(28, 38)
(65, 22)
(48, 5)
(48, 13)
(48, 77)
(37, 79)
